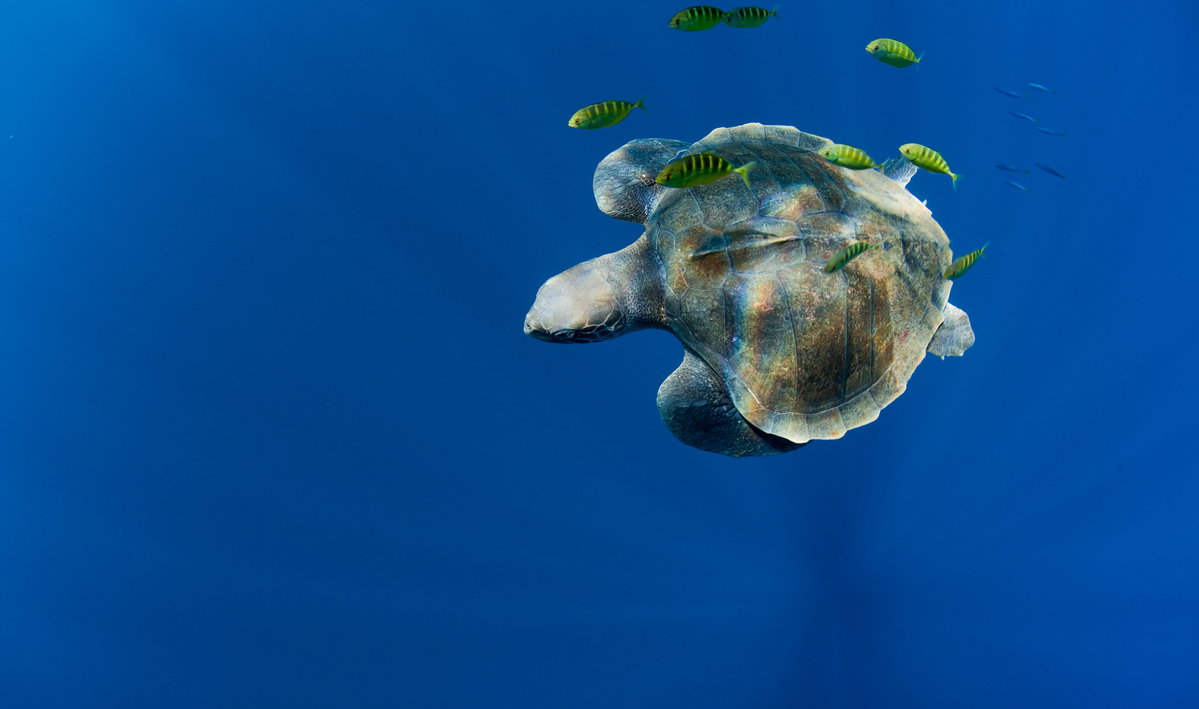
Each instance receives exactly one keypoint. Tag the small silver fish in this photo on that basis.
(1038, 87)
(1011, 168)
(1013, 94)
(1051, 132)
(1017, 184)
(1025, 116)
(1050, 170)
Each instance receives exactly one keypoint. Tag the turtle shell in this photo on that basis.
(805, 354)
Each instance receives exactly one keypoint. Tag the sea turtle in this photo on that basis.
(776, 352)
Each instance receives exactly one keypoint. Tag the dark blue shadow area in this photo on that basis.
(271, 434)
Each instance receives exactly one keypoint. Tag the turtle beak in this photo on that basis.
(534, 328)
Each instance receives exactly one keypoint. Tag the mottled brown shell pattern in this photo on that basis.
(805, 354)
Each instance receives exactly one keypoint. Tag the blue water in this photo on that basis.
(271, 434)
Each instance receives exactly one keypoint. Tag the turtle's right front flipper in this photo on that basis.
(698, 411)
(624, 184)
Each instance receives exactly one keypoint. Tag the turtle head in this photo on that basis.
(600, 299)
(578, 305)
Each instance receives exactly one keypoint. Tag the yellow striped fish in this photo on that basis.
(846, 255)
(848, 156)
(602, 115)
(700, 17)
(701, 169)
(958, 268)
(741, 17)
(894, 52)
(927, 158)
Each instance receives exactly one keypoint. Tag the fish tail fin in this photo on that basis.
(1025, 94)
(775, 12)
(955, 180)
(641, 103)
(744, 171)
(918, 60)
(982, 251)
(1026, 172)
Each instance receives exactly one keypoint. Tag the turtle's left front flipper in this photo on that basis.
(697, 409)
(955, 335)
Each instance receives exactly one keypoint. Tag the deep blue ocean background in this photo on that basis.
(271, 434)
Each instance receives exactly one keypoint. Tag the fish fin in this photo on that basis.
(918, 60)
(1026, 172)
(641, 103)
(1025, 94)
(955, 180)
(744, 171)
(983, 250)
(775, 12)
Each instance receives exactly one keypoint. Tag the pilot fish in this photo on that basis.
(958, 268)
(927, 158)
(1013, 94)
(700, 17)
(1018, 186)
(1011, 168)
(1038, 87)
(893, 52)
(742, 17)
(846, 255)
(848, 156)
(700, 169)
(1050, 131)
(602, 115)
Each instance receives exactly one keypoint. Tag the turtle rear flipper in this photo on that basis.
(624, 183)
(955, 335)
(698, 411)
(899, 169)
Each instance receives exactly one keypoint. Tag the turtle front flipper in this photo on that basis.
(624, 183)
(955, 335)
(698, 411)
